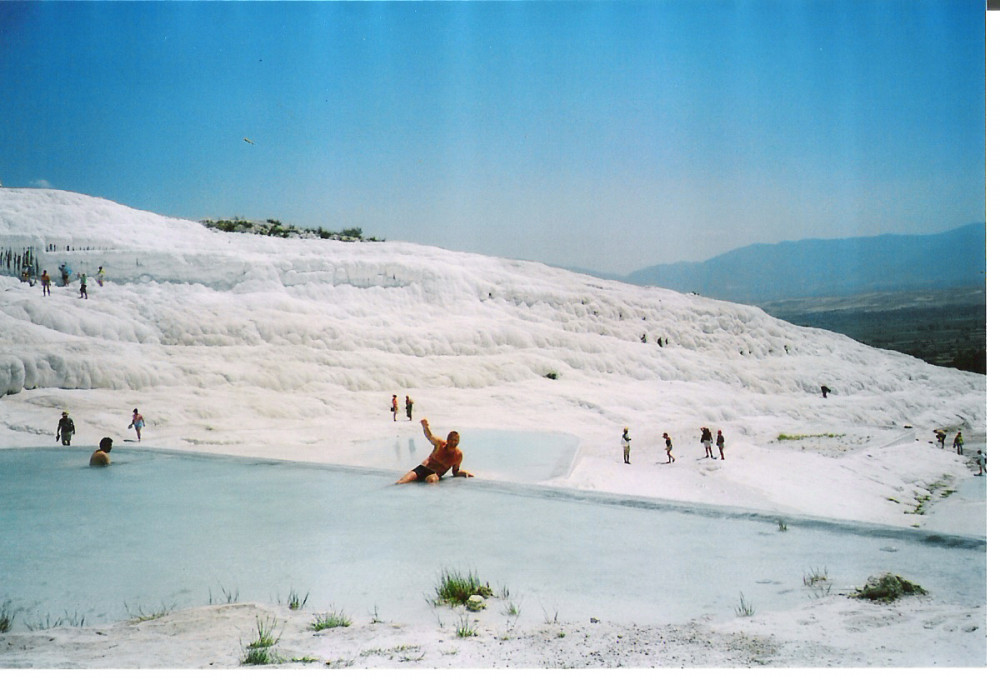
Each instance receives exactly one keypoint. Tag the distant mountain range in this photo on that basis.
(830, 267)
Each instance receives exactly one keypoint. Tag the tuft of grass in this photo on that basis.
(330, 620)
(745, 608)
(815, 577)
(228, 596)
(295, 602)
(464, 628)
(455, 589)
(818, 582)
(138, 616)
(7, 613)
(260, 652)
(75, 620)
(887, 588)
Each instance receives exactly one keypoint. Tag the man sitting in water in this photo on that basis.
(446, 454)
(100, 457)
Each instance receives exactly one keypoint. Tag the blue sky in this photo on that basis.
(606, 136)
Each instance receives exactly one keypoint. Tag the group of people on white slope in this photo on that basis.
(706, 440)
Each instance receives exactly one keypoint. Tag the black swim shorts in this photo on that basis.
(423, 472)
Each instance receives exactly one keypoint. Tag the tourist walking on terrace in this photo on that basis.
(981, 459)
(46, 282)
(626, 445)
(100, 276)
(958, 443)
(409, 408)
(65, 429)
(720, 442)
(941, 436)
(83, 285)
(706, 439)
(670, 447)
(138, 422)
(394, 408)
(446, 455)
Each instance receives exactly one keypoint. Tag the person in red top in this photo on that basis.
(446, 455)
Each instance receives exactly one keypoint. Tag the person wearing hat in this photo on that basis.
(65, 429)
(100, 457)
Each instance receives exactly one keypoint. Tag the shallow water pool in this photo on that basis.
(177, 530)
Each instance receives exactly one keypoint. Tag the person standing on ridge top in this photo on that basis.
(446, 455)
(65, 429)
(626, 446)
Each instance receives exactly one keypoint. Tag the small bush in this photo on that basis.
(887, 588)
(455, 589)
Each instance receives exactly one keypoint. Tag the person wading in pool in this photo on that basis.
(100, 457)
(445, 455)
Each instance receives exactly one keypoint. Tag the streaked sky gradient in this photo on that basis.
(606, 136)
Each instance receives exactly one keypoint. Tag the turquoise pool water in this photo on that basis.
(178, 530)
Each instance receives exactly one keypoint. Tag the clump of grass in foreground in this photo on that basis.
(330, 620)
(260, 652)
(455, 589)
(887, 588)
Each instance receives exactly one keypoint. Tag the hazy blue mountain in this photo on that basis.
(831, 267)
